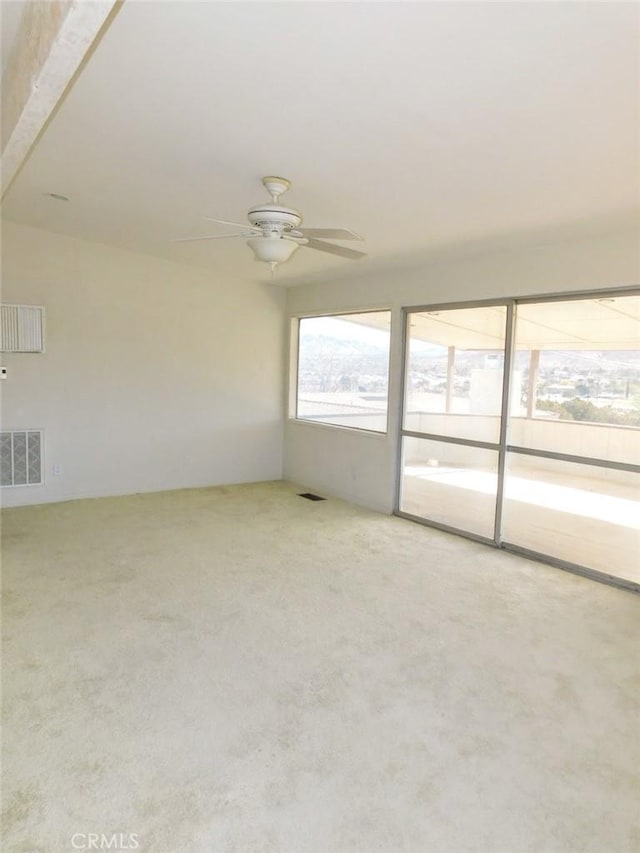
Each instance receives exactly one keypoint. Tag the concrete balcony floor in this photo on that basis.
(592, 521)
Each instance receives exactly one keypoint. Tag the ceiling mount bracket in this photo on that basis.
(276, 186)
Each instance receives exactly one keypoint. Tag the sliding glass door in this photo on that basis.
(572, 487)
(521, 427)
(454, 386)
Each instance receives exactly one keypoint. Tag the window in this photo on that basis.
(343, 370)
(521, 426)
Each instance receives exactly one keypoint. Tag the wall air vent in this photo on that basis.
(21, 328)
(21, 458)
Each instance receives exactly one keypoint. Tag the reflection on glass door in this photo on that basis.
(452, 416)
(560, 480)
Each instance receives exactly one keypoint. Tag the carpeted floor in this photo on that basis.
(238, 669)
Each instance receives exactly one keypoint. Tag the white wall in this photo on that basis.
(363, 469)
(156, 375)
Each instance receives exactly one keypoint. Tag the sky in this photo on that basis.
(345, 330)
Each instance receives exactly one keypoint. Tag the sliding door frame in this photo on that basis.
(503, 447)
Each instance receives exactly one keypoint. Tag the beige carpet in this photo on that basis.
(238, 669)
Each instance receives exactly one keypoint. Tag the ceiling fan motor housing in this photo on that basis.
(274, 217)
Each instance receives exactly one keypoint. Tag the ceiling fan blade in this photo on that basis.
(244, 225)
(335, 250)
(211, 237)
(330, 233)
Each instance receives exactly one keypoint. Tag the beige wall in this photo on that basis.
(363, 469)
(155, 376)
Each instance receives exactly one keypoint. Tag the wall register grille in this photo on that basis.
(21, 328)
(21, 458)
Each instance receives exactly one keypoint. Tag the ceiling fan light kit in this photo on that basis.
(272, 250)
(274, 231)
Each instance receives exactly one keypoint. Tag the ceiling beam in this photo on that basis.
(53, 40)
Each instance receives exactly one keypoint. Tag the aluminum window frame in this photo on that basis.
(294, 374)
(503, 447)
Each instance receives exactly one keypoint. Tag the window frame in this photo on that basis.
(294, 378)
(504, 446)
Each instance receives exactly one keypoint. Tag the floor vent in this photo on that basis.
(21, 458)
(310, 497)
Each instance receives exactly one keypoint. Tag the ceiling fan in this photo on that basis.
(274, 231)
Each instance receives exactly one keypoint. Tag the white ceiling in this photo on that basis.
(426, 127)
